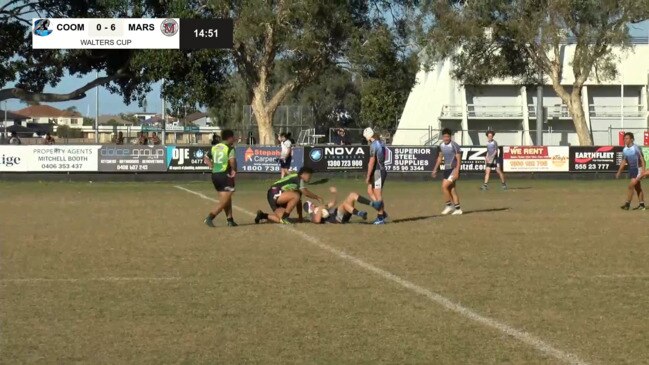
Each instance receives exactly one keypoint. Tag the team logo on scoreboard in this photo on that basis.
(169, 27)
(41, 27)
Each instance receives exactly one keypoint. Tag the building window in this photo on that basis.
(74, 121)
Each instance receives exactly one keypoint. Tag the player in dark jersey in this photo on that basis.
(493, 161)
(634, 158)
(285, 195)
(332, 213)
(222, 161)
(451, 154)
(376, 173)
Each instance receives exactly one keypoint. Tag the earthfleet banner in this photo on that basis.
(187, 158)
(67, 158)
(536, 159)
(265, 158)
(132, 159)
(595, 159)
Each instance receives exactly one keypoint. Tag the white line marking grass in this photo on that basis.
(81, 280)
(622, 276)
(446, 303)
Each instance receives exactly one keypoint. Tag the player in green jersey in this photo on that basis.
(222, 161)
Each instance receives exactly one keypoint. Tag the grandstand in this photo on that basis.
(438, 101)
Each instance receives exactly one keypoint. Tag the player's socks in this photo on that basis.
(363, 200)
(484, 186)
(260, 215)
(362, 214)
(626, 206)
(457, 207)
(231, 222)
(640, 206)
(503, 186)
(377, 204)
(355, 211)
(209, 220)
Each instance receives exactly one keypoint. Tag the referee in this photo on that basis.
(222, 161)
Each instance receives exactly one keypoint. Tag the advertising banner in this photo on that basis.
(473, 159)
(48, 158)
(337, 158)
(595, 159)
(187, 158)
(265, 158)
(536, 159)
(132, 158)
(410, 159)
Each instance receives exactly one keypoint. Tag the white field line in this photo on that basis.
(444, 302)
(622, 276)
(81, 280)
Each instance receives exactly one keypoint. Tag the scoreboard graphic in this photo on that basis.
(131, 33)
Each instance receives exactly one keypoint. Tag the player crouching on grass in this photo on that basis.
(492, 161)
(330, 213)
(376, 173)
(634, 158)
(285, 194)
(222, 161)
(452, 154)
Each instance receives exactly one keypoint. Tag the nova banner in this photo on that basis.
(536, 159)
(132, 158)
(336, 158)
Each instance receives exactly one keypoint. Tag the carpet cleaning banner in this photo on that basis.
(266, 158)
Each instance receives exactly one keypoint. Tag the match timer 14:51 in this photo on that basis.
(206, 33)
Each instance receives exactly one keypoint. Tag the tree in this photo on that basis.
(517, 38)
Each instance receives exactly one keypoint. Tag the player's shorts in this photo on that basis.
(448, 173)
(273, 194)
(635, 172)
(286, 164)
(493, 164)
(342, 216)
(222, 182)
(378, 178)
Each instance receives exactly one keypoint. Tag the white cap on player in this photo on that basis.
(368, 133)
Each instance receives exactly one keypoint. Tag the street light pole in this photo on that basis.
(4, 123)
(96, 109)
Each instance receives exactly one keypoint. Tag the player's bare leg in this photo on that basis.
(224, 204)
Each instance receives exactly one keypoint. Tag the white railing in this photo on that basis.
(602, 111)
(482, 111)
(552, 111)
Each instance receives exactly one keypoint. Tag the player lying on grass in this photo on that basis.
(285, 195)
(634, 158)
(450, 153)
(330, 213)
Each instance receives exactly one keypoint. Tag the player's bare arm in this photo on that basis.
(233, 168)
(619, 171)
(370, 169)
(438, 163)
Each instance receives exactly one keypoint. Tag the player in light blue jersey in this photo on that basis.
(493, 161)
(376, 173)
(634, 158)
(451, 154)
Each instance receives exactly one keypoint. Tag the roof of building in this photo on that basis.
(10, 115)
(44, 111)
(193, 116)
(103, 119)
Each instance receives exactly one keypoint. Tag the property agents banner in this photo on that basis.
(132, 158)
(68, 158)
(410, 159)
(336, 158)
(536, 159)
(594, 159)
(265, 158)
(187, 158)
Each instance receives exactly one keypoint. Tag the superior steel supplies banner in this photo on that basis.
(67, 158)
(595, 159)
(410, 159)
(132, 158)
(536, 159)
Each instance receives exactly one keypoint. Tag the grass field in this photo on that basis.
(111, 273)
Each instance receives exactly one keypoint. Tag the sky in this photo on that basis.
(113, 103)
